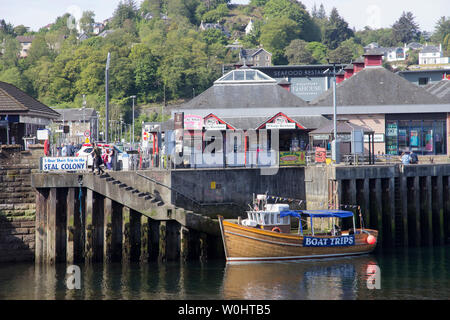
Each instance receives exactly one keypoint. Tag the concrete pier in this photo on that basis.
(78, 222)
(138, 217)
(408, 205)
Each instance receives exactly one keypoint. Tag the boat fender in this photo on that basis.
(276, 229)
(371, 239)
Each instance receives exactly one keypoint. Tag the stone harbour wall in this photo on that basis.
(17, 202)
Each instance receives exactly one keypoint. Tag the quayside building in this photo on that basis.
(394, 114)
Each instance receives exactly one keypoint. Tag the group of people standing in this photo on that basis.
(68, 150)
(107, 159)
(409, 158)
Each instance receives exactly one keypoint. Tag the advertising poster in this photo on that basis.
(289, 158)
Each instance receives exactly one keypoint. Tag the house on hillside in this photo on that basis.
(82, 122)
(25, 44)
(258, 57)
(433, 55)
(205, 26)
(249, 27)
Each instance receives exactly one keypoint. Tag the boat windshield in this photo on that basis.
(320, 213)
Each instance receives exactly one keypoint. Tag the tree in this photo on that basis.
(405, 29)
(342, 54)
(126, 9)
(336, 30)
(145, 68)
(297, 52)
(20, 30)
(321, 14)
(441, 30)
(276, 35)
(87, 22)
(413, 57)
(318, 50)
(295, 11)
(39, 48)
(258, 3)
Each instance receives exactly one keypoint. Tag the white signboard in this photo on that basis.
(281, 122)
(377, 137)
(193, 122)
(64, 163)
(288, 125)
(42, 134)
(214, 124)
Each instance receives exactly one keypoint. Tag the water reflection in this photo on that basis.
(421, 273)
(306, 279)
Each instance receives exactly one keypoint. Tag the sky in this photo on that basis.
(358, 13)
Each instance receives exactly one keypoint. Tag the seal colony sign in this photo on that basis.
(64, 163)
(329, 242)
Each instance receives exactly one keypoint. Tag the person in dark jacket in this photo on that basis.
(97, 161)
(413, 157)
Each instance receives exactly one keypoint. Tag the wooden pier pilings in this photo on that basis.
(77, 224)
(409, 205)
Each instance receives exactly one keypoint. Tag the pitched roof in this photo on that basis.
(441, 90)
(376, 86)
(75, 114)
(231, 96)
(341, 127)
(430, 49)
(15, 101)
(23, 39)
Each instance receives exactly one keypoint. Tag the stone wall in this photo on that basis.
(229, 191)
(17, 202)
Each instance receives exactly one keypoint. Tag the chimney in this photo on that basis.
(372, 58)
(285, 84)
(358, 65)
(340, 76)
(349, 70)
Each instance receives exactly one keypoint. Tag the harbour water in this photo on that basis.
(413, 273)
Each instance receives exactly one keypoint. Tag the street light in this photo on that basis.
(335, 143)
(133, 97)
(107, 97)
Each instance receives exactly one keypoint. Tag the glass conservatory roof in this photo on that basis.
(246, 75)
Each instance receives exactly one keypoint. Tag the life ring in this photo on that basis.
(276, 229)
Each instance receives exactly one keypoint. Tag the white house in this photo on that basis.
(249, 27)
(433, 55)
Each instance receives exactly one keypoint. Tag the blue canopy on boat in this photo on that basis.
(317, 213)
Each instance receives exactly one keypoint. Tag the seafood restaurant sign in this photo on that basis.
(64, 163)
(329, 242)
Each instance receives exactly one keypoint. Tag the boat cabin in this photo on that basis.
(266, 216)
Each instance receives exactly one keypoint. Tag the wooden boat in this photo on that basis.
(266, 235)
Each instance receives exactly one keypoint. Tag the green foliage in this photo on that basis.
(276, 35)
(413, 57)
(336, 30)
(297, 52)
(217, 14)
(319, 51)
(86, 21)
(405, 29)
(383, 37)
(126, 10)
(442, 29)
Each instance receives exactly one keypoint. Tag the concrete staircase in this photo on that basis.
(147, 203)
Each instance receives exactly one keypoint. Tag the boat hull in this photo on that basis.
(243, 243)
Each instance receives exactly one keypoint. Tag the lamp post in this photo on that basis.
(133, 97)
(107, 98)
(335, 143)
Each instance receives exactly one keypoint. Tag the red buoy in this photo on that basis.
(371, 239)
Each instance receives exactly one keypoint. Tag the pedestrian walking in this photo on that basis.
(97, 161)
